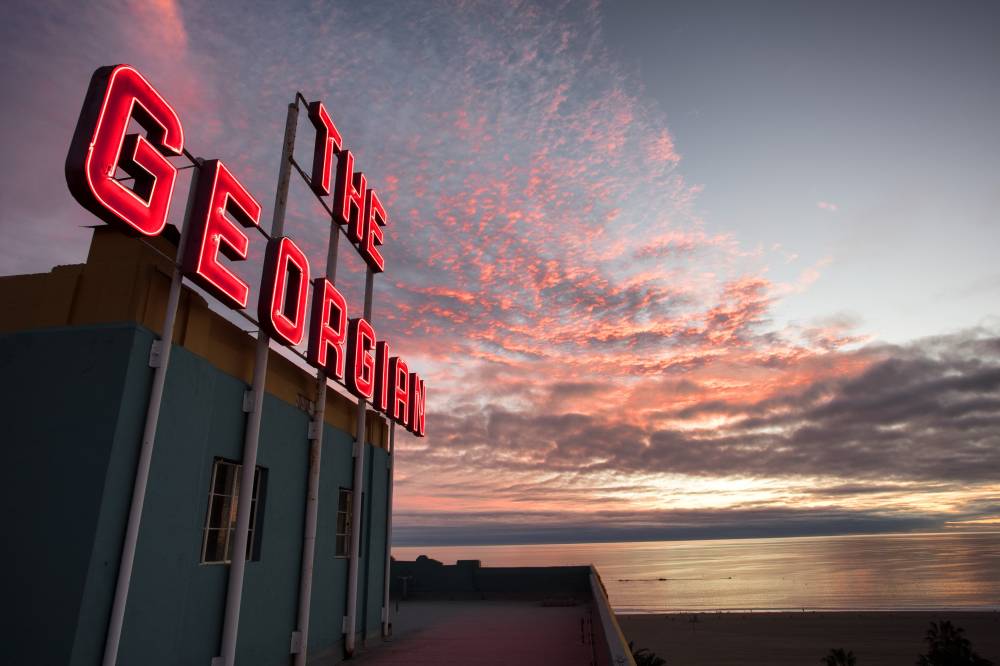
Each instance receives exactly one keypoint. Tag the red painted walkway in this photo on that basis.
(484, 632)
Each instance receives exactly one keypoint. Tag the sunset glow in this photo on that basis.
(631, 317)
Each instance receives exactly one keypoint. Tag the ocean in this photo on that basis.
(956, 570)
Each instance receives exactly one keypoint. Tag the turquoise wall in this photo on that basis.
(88, 448)
(64, 400)
(376, 484)
(329, 597)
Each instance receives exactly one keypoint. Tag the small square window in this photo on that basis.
(220, 519)
(344, 509)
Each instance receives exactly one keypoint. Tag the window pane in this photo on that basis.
(229, 544)
(218, 512)
(224, 475)
(218, 480)
(236, 488)
(341, 545)
(232, 506)
(341, 522)
(215, 545)
(223, 506)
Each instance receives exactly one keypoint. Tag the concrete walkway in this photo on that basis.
(485, 632)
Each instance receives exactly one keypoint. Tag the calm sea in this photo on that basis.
(898, 571)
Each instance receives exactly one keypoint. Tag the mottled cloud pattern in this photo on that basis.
(602, 362)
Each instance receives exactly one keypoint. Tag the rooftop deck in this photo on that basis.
(469, 614)
(486, 632)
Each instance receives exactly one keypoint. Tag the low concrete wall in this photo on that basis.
(427, 579)
(607, 631)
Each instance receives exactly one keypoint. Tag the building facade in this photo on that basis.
(75, 349)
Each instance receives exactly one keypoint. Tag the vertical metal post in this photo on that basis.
(388, 530)
(357, 492)
(237, 567)
(117, 619)
(301, 642)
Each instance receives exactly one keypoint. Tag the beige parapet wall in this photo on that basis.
(128, 279)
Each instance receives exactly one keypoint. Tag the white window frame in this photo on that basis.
(347, 513)
(232, 497)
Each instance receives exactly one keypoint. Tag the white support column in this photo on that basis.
(357, 491)
(386, 609)
(159, 361)
(234, 592)
(300, 643)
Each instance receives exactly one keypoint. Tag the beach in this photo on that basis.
(877, 638)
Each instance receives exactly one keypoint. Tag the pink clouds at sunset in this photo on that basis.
(602, 348)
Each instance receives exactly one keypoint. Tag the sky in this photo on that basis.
(670, 270)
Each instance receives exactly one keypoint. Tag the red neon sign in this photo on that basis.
(349, 196)
(213, 233)
(327, 329)
(101, 146)
(372, 236)
(381, 397)
(399, 374)
(360, 342)
(417, 407)
(281, 309)
(328, 142)
(344, 350)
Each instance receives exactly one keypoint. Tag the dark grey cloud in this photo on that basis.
(442, 528)
(927, 411)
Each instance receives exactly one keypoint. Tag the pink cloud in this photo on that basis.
(549, 272)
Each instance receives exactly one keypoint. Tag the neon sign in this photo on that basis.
(101, 145)
(346, 351)
(218, 200)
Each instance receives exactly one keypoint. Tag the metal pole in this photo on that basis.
(388, 530)
(237, 567)
(312, 491)
(159, 359)
(357, 492)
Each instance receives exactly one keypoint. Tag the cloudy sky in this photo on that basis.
(671, 269)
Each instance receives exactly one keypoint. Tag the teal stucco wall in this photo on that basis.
(76, 401)
(64, 403)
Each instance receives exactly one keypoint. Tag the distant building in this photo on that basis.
(75, 365)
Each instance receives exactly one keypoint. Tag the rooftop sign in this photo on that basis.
(345, 350)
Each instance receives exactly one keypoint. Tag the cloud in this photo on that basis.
(159, 20)
(927, 411)
(586, 337)
(827, 206)
(661, 149)
(881, 438)
(464, 528)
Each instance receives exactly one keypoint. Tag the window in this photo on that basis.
(220, 521)
(344, 523)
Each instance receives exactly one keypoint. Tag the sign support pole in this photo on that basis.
(357, 492)
(237, 567)
(300, 642)
(386, 612)
(160, 360)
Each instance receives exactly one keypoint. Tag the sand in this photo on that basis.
(887, 638)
